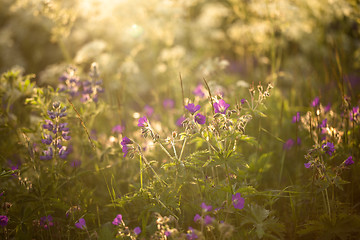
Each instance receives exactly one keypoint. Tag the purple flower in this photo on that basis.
(167, 233)
(238, 201)
(49, 125)
(75, 163)
(327, 108)
(329, 148)
(125, 150)
(298, 141)
(349, 161)
(46, 221)
(206, 208)
(3, 220)
(354, 113)
(191, 234)
(307, 165)
(323, 123)
(180, 120)
(289, 144)
(243, 101)
(137, 230)
(148, 110)
(315, 102)
(200, 119)
(81, 223)
(118, 129)
(143, 122)
(208, 220)
(117, 220)
(64, 152)
(197, 217)
(125, 141)
(48, 154)
(198, 91)
(192, 108)
(296, 118)
(168, 103)
(221, 106)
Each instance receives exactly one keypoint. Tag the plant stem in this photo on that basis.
(141, 173)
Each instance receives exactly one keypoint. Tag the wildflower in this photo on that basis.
(125, 141)
(197, 217)
(117, 220)
(243, 101)
(46, 221)
(208, 220)
(349, 161)
(329, 148)
(315, 102)
(238, 201)
(75, 163)
(206, 208)
(198, 91)
(180, 120)
(48, 154)
(200, 119)
(118, 129)
(296, 118)
(49, 125)
(221, 106)
(3, 220)
(143, 122)
(298, 141)
(167, 233)
(168, 103)
(307, 165)
(148, 110)
(81, 223)
(327, 108)
(64, 152)
(192, 108)
(288, 144)
(191, 234)
(323, 123)
(354, 113)
(137, 230)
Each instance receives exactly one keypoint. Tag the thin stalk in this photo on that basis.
(182, 150)
(328, 202)
(141, 173)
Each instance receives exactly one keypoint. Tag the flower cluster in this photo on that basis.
(3, 220)
(192, 108)
(46, 221)
(123, 229)
(57, 133)
(88, 89)
(81, 224)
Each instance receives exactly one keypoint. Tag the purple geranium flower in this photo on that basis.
(208, 220)
(118, 129)
(125, 141)
(289, 144)
(206, 208)
(180, 120)
(315, 102)
(243, 101)
(323, 124)
(200, 119)
(137, 230)
(349, 161)
(81, 223)
(46, 221)
(191, 234)
(354, 113)
(221, 106)
(238, 201)
(296, 118)
(327, 108)
(329, 148)
(3, 220)
(197, 217)
(148, 110)
(198, 91)
(167, 233)
(168, 103)
(307, 165)
(192, 108)
(143, 122)
(117, 220)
